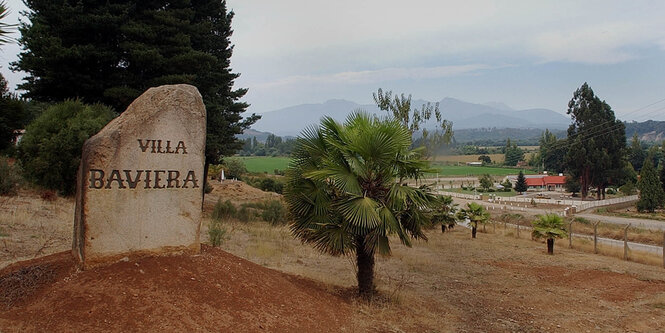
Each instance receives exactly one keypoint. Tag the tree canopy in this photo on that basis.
(111, 52)
(596, 142)
(415, 119)
(520, 184)
(651, 190)
(513, 154)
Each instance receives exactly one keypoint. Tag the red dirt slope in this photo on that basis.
(214, 291)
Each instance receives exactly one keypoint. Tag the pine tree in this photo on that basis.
(662, 177)
(636, 154)
(111, 52)
(520, 184)
(651, 189)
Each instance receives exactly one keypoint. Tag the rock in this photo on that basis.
(140, 181)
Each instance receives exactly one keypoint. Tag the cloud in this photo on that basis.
(380, 75)
(600, 44)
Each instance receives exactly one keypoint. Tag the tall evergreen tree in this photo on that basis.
(662, 177)
(596, 142)
(636, 154)
(552, 152)
(513, 154)
(110, 52)
(651, 189)
(520, 184)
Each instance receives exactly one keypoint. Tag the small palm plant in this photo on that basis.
(345, 193)
(475, 213)
(444, 212)
(549, 226)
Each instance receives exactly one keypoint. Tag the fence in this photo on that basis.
(579, 205)
(585, 237)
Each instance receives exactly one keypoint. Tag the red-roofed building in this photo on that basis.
(546, 183)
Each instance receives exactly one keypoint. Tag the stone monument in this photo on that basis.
(140, 182)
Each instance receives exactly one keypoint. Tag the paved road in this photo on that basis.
(640, 223)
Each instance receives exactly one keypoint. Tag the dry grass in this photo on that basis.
(32, 226)
(451, 283)
(460, 284)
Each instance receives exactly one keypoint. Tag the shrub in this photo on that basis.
(628, 188)
(274, 212)
(223, 210)
(50, 150)
(244, 214)
(216, 232)
(9, 177)
(48, 195)
(206, 187)
(234, 168)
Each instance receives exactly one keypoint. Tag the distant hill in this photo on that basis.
(292, 120)
(650, 130)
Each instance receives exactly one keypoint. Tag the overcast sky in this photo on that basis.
(526, 54)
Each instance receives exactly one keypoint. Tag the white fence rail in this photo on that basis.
(579, 205)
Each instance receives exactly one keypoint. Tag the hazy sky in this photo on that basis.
(526, 54)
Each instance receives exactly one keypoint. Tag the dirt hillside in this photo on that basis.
(213, 291)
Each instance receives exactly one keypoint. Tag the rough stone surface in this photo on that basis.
(140, 182)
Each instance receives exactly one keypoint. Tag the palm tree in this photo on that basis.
(549, 226)
(5, 28)
(443, 212)
(344, 190)
(475, 213)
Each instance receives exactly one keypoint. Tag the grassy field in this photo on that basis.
(261, 164)
(463, 170)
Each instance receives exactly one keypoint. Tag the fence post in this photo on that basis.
(570, 235)
(518, 230)
(663, 249)
(595, 237)
(625, 242)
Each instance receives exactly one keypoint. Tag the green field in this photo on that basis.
(463, 170)
(261, 164)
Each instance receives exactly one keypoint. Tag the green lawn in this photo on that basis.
(463, 170)
(261, 164)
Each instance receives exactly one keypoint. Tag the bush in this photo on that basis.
(234, 168)
(50, 150)
(216, 232)
(223, 210)
(206, 187)
(244, 214)
(628, 188)
(274, 212)
(610, 191)
(9, 177)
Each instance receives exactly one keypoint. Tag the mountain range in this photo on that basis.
(290, 121)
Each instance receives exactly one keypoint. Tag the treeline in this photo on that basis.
(273, 146)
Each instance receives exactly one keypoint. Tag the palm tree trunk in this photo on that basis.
(550, 246)
(365, 262)
(473, 232)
